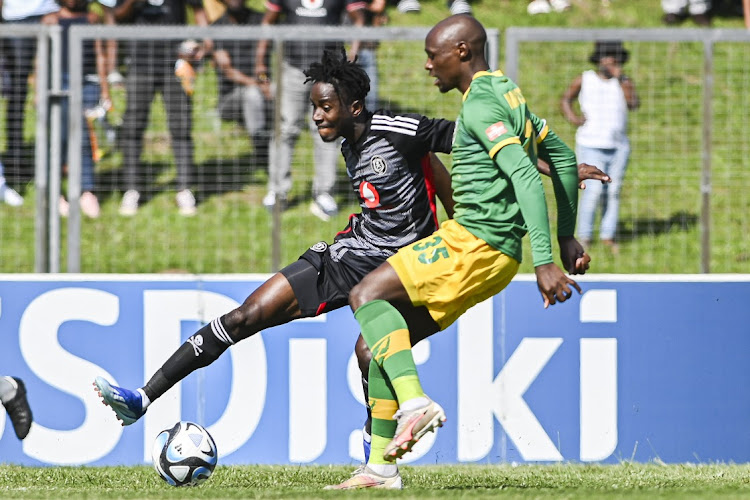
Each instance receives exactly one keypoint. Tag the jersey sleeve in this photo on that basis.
(564, 174)
(437, 134)
(493, 126)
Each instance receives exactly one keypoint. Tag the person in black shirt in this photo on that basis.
(151, 70)
(298, 55)
(242, 97)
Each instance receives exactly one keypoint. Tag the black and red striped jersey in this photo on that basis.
(390, 170)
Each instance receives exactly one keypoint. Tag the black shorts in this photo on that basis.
(322, 284)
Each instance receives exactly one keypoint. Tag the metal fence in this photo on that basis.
(231, 231)
(684, 204)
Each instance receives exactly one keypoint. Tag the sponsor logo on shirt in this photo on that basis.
(369, 194)
(496, 130)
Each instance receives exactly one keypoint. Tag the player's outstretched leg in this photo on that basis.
(412, 425)
(126, 404)
(364, 477)
(17, 405)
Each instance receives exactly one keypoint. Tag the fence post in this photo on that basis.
(708, 95)
(41, 180)
(55, 152)
(278, 56)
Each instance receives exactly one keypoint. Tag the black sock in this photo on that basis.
(368, 422)
(201, 349)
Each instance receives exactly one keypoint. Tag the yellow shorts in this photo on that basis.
(451, 270)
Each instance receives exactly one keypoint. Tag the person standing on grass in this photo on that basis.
(298, 55)
(605, 97)
(499, 197)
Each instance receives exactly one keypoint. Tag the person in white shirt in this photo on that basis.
(605, 95)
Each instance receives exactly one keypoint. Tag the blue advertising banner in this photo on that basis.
(636, 368)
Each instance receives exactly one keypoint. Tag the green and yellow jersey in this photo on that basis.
(498, 191)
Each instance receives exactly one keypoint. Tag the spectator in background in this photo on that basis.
(367, 57)
(20, 54)
(295, 103)
(114, 77)
(95, 91)
(605, 96)
(242, 97)
(676, 11)
(8, 195)
(13, 398)
(154, 67)
(547, 6)
(455, 6)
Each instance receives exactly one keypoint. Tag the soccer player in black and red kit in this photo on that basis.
(395, 177)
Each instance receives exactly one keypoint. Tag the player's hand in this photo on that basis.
(554, 285)
(574, 258)
(586, 172)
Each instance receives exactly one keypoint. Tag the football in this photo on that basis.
(184, 455)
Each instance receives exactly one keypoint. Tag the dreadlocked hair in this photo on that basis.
(348, 78)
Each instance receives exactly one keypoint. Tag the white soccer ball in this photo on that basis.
(184, 455)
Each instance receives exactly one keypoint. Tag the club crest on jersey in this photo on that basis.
(378, 165)
(319, 247)
(495, 130)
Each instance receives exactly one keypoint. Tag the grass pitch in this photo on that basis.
(625, 480)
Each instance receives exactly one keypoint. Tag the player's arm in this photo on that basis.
(585, 172)
(442, 181)
(436, 134)
(553, 284)
(564, 172)
(493, 124)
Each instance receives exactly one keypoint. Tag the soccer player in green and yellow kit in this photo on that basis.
(499, 197)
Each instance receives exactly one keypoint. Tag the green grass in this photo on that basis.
(660, 208)
(632, 481)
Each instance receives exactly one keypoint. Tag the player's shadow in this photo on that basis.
(650, 226)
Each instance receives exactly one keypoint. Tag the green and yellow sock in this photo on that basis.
(383, 405)
(387, 336)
